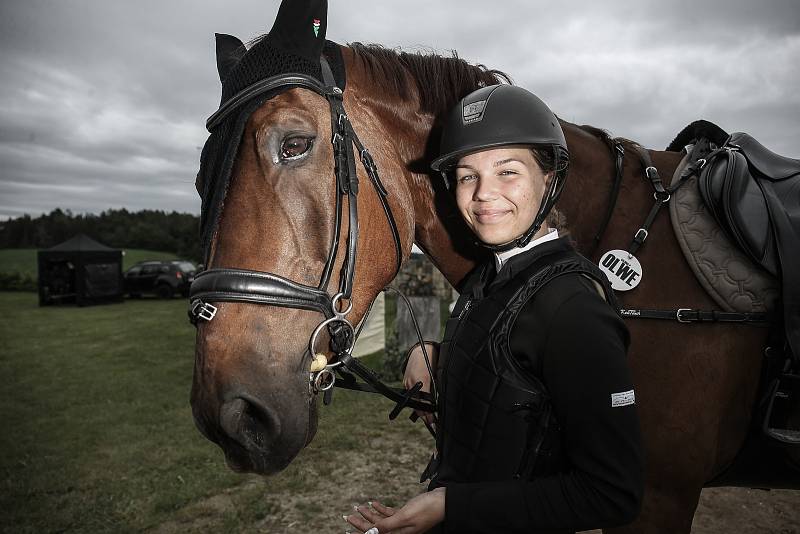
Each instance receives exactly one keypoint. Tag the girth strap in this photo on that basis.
(689, 315)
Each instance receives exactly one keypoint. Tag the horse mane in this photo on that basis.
(440, 81)
(605, 137)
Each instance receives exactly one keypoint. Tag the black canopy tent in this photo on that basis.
(80, 270)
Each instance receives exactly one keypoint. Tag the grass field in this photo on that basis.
(20, 260)
(98, 435)
(23, 260)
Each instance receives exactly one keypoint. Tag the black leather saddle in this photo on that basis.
(755, 196)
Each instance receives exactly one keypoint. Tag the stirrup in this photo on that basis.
(784, 401)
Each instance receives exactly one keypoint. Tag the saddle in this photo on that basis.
(754, 195)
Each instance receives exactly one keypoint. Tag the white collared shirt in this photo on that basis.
(500, 258)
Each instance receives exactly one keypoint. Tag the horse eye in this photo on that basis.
(296, 146)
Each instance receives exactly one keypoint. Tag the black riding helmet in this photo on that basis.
(497, 116)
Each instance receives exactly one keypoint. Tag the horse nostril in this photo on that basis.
(251, 424)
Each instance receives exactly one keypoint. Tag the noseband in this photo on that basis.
(257, 287)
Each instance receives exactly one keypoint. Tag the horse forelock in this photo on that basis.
(439, 81)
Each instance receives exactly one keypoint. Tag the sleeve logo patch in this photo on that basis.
(623, 398)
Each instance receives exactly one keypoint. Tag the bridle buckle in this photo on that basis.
(203, 310)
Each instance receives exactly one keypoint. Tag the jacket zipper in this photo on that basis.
(462, 315)
(464, 310)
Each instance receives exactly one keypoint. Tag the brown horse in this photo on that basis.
(696, 385)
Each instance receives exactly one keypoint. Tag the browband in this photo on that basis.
(267, 85)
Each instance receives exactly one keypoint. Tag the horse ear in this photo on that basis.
(300, 27)
(229, 51)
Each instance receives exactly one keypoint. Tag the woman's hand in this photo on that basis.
(417, 371)
(418, 515)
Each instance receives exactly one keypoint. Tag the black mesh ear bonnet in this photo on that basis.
(293, 45)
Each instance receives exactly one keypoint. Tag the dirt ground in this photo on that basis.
(721, 510)
(747, 511)
(316, 505)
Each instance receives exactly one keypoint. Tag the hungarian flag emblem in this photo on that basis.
(316, 27)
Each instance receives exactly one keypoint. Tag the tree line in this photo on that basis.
(146, 229)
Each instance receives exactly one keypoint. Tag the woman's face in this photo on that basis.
(498, 193)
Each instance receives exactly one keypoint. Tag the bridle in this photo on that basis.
(257, 287)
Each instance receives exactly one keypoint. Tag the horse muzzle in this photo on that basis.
(251, 425)
(256, 407)
(250, 434)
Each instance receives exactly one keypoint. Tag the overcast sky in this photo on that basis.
(103, 103)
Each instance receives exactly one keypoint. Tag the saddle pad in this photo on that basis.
(734, 282)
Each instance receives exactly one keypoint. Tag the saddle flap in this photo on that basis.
(746, 210)
(737, 202)
(711, 186)
(770, 165)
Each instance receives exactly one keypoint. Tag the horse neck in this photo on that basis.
(404, 136)
(585, 197)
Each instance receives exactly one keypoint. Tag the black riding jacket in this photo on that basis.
(569, 350)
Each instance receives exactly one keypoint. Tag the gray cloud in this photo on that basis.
(102, 104)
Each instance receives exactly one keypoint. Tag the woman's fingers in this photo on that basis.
(366, 516)
(385, 510)
(417, 516)
(370, 513)
(358, 521)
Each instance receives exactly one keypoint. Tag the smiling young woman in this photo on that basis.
(537, 426)
(498, 193)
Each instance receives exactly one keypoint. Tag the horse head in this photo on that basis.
(290, 238)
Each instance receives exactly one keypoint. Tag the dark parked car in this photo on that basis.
(164, 278)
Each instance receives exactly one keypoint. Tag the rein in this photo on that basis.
(257, 287)
(619, 156)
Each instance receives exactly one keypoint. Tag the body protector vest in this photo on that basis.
(495, 416)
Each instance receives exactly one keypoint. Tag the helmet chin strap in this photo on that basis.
(520, 241)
